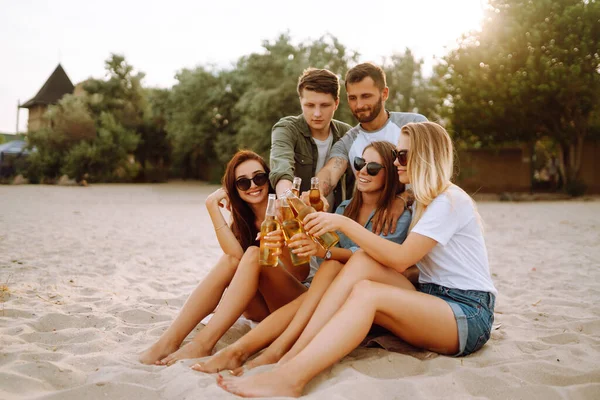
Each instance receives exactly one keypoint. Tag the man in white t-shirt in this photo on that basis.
(300, 145)
(367, 92)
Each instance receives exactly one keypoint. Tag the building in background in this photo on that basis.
(53, 90)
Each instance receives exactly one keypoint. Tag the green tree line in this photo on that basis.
(531, 73)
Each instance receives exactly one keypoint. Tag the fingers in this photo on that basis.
(325, 203)
(386, 225)
(377, 222)
(393, 222)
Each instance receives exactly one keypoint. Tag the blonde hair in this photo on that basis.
(430, 163)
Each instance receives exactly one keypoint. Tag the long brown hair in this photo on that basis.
(391, 188)
(244, 220)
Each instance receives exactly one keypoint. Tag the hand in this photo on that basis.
(303, 246)
(386, 222)
(322, 222)
(220, 198)
(274, 240)
(305, 198)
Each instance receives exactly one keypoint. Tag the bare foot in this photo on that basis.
(191, 350)
(269, 384)
(227, 359)
(268, 356)
(157, 352)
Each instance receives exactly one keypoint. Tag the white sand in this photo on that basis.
(95, 274)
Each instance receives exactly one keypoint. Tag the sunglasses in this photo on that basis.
(402, 156)
(373, 168)
(259, 179)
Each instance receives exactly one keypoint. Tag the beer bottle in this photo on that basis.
(328, 239)
(291, 226)
(296, 185)
(314, 195)
(267, 256)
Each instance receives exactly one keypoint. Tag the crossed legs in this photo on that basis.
(365, 292)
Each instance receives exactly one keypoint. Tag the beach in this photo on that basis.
(91, 276)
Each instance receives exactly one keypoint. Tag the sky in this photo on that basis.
(163, 37)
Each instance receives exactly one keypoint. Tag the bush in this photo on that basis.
(575, 188)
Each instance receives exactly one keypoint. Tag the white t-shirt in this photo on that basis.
(353, 143)
(323, 147)
(460, 258)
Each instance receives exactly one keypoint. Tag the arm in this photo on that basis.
(302, 245)
(330, 174)
(282, 158)
(386, 223)
(227, 240)
(386, 252)
(336, 165)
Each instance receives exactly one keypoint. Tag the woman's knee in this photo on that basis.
(359, 265)
(363, 291)
(329, 267)
(250, 257)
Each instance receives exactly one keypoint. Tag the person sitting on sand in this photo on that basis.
(450, 313)
(246, 187)
(376, 187)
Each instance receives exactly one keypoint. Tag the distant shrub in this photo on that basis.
(575, 188)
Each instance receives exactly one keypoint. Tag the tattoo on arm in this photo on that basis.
(339, 163)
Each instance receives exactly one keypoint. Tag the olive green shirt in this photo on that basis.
(294, 153)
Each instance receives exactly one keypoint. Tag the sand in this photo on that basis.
(91, 276)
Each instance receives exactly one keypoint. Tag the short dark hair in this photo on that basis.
(320, 81)
(361, 71)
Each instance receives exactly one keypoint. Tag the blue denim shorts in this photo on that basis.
(474, 313)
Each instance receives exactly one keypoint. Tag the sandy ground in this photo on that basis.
(93, 275)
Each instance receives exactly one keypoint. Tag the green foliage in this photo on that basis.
(409, 90)
(532, 71)
(213, 113)
(105, 159)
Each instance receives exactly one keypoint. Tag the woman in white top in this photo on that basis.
(451, 311)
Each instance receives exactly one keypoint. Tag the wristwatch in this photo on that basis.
(327, 255)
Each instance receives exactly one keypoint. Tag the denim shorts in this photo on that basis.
(474, 313)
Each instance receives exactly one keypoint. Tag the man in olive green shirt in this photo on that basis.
(301, 144)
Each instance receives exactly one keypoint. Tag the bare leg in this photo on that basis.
(201, 302)
(323, 278)
(420, 319)
(235, 355)
(358, 268)
(277, 287)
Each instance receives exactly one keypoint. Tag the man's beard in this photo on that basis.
(372, 115)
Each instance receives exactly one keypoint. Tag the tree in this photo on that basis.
(409, 90)
(533, 71)
(272, 78)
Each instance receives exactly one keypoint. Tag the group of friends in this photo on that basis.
(418, 269)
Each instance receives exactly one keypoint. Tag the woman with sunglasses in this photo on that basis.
(376, 186)
(246, 188)
(452, 310)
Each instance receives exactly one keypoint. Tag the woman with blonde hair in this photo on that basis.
(452, 310)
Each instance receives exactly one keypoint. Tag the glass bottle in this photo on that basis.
(328, 239)
(314, 195)
(296, 185)
(267, 256)
(291, 226)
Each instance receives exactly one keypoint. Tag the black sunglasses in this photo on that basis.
(259, 179)
(373, 168)
(402, 156)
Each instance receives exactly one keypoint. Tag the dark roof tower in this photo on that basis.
(53, 90)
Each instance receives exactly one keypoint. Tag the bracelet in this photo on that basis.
(222, 226)
(401, 198)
